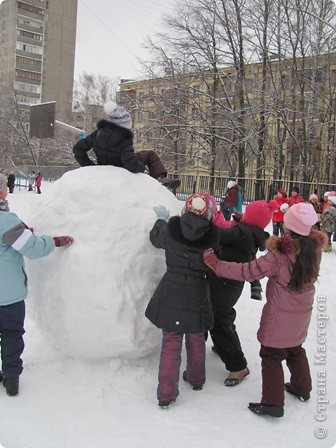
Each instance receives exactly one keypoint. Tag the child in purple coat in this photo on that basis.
(292, 266)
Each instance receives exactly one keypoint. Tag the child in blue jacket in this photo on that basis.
(16, 241)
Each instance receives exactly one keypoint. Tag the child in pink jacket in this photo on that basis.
(286, 315)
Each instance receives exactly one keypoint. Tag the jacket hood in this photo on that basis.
(105, 124)
(193, 230)
(287, 245)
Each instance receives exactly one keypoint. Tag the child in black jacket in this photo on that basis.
(181, 304)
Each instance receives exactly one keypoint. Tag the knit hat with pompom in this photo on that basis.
(199, 205)
(213, 205)
(259, 213)
(117, 115)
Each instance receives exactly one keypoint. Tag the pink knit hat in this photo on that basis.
(259, 213)
(300, 218)
(313, 196)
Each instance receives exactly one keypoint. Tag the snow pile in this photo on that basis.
(88, 300)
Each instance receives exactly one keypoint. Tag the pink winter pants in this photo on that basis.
(170, 362)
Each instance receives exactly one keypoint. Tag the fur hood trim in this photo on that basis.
(108, 124)
(209, 239)
(286, 244)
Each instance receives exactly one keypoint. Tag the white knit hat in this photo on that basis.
(117, 115)
(231, 184)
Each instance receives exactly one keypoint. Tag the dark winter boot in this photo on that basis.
(165, 404)
(11, 384)
(256, 291)
(266, 409)
(171, 184)
(198, 387)
(290, 390)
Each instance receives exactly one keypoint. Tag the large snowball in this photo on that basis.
(89, 299)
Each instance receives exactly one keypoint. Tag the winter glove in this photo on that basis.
(237, 216)
(210, 259)
(61, 241)
(161, 212)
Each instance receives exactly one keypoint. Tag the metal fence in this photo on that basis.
(253, 189)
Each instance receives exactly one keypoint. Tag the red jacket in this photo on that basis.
(278, 216)
(286, 315)
(38, 181)
(295, 200)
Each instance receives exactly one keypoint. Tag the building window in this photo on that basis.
(29, 48)
(333, 77)
(196, 90)
(30, 8)
(28, 61)
(24, 87)
(27, 74)
(29, 35)
(26, 100)
(38, 25)
(139, 136)
(24, 113)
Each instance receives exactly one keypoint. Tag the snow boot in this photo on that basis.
(256, 291)
(266, 409)
(171, 184)
(235, 378)
(11, 384)
(165, 404)
(198, 387)
(301, 397)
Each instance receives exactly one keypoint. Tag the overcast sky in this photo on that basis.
(110, 34)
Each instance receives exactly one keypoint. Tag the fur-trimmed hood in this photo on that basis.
(287, 245)
(206, 237)
(103, 124)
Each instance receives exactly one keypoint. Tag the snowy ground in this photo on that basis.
(78, 403)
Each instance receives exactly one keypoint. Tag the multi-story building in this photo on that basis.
(278, 122)
(37, 53)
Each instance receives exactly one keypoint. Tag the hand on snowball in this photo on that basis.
(161, 212)
(63, 241)
(210, 259)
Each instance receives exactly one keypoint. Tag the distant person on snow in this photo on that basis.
(38, 182)
(16, 241)
(232, 202)
(292, 266)
(112, 143)
(11, 182)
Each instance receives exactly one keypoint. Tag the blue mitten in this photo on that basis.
(161, 212)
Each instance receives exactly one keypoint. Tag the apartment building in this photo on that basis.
(278, 122)
(37, 53)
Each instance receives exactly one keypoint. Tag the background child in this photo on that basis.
(181, 303)
(278, 215)
(328, 220)
(292, 265)
(16, 241)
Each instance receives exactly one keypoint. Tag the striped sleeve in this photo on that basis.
(17, 236)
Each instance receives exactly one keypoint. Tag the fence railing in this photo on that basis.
(253, 189)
